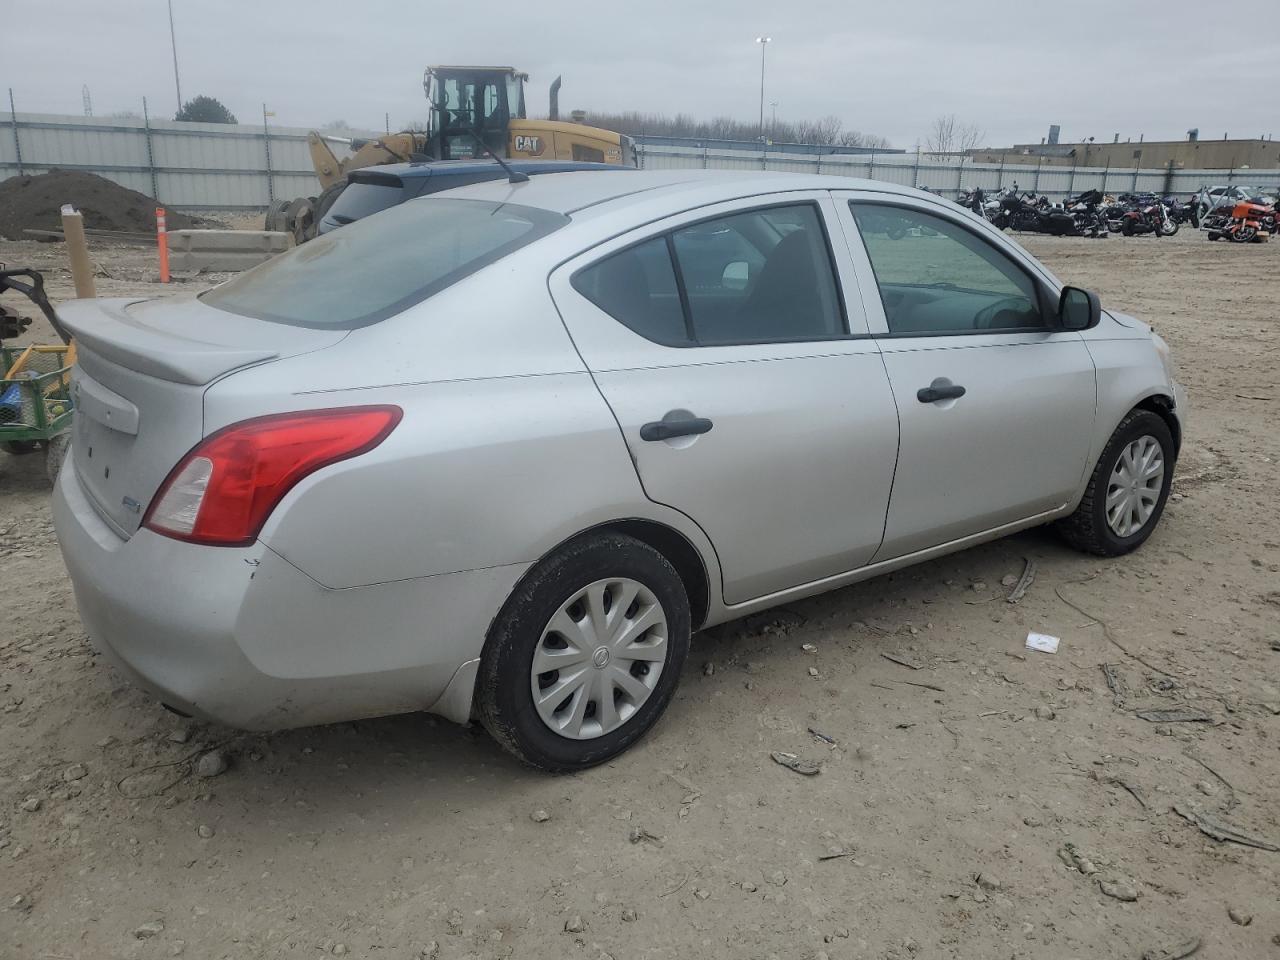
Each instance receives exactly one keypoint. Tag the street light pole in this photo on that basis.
(173, 42)
(763, 41)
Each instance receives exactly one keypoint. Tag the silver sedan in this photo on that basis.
(497, 452)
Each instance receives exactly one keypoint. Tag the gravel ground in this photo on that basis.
(982, 801)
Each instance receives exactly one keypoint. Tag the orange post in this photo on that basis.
(162, 241)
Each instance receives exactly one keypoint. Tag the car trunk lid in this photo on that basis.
(142, 370)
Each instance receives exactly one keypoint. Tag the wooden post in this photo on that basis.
(78, 252)
(162, 243)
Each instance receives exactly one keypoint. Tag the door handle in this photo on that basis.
(670, 429)
(934, 394)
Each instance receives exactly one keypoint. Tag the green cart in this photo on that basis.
(36, 404)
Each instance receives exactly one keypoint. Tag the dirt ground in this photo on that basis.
(974, 804)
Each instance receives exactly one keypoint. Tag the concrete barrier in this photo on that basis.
(224, 250)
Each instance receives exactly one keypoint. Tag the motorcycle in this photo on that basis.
(1134, 216)
(1084, 211)
(1244, 222)
(1183, 212)
(1028, 213)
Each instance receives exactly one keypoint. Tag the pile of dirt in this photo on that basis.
(35, 203)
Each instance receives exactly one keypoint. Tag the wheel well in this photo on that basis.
(680, 553)
(1162, 406)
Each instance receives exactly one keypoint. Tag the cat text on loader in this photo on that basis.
(474, 111)
(488, 102)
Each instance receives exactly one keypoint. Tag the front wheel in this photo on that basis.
(585, 654)
(1168, 227)
(1128, 489)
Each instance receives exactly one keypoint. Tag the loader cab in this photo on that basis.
(469, 100)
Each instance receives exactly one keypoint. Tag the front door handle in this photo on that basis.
(670, 429)
(933, 394)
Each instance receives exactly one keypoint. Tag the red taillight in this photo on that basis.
(222, 492)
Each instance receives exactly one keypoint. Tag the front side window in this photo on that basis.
(936, 277)
(760, 276)
(379, 266)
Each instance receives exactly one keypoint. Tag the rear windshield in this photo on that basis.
(359, 200)
(379, 266)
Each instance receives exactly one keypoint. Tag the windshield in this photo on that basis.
(381, 265)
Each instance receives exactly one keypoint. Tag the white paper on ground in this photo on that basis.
(1042, 642)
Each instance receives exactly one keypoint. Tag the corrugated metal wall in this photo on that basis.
(950, 174)
(210, 166)
(215, 166)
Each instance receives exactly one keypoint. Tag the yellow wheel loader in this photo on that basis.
(475, 112)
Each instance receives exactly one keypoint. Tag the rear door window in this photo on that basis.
(764, 275)
(760, 276)
(380, 266)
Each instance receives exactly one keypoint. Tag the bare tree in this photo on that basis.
(948, 135)
(827, 131)
(855, 138)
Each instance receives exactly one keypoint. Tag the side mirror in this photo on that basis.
(1079, 309)
(736, 275)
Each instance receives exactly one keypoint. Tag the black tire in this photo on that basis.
(1087, 529)
(274, 220)
(504, 698)
(1126, 227)
(323, 202)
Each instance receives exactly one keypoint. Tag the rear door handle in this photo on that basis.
(934, 394)
(670, 429)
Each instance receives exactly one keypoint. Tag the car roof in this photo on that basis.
(419, 169)
(574, 193)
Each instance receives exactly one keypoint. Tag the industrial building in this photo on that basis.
(1193, 153)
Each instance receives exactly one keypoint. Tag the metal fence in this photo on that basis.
(948, 174)
(189, 166)
(213, 166)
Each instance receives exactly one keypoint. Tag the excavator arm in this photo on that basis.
(393, 148)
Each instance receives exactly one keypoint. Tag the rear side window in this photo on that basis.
(761, 276)
(359, 200)
(638, 288)
(380, 266)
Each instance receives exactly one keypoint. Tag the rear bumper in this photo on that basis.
(242, 637)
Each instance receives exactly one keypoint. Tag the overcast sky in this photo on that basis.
(1012, 67)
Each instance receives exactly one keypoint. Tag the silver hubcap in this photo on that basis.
(599, 658)
(1134, 488)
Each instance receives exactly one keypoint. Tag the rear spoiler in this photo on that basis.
(106, 329)
(376, 177)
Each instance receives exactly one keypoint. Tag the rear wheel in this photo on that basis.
(1128, 489)
(585, 655)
